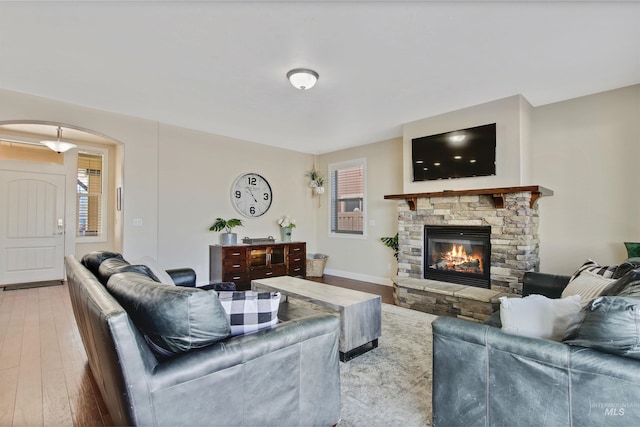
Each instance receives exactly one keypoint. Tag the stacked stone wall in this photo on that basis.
(515, 242)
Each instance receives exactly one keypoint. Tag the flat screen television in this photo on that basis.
(457, 154)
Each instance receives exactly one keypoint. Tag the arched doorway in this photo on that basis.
(55, 204)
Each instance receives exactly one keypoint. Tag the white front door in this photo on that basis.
(31, 227)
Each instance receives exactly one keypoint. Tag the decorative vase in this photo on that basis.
(319, 190)
(286, 234)
(228, 239)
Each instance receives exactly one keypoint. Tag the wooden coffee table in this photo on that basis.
(360, 312)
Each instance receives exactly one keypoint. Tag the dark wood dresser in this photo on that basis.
(243, 263)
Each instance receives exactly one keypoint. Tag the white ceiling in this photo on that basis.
(220, 66)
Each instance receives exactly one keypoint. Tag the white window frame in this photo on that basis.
(343, 165)
(105, 199)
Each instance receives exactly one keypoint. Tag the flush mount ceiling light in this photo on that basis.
(302, 78)
(59, 146)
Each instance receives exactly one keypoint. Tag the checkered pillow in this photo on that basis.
(592, 266)
(250, 311)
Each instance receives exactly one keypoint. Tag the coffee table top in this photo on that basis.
(332, 296)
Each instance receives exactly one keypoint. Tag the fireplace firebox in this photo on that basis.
(458, 254)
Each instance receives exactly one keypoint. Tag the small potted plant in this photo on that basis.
(317, 181)
(227, 238)
(319, 188)
(286, 225)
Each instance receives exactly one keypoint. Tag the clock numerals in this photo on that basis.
(251, 195)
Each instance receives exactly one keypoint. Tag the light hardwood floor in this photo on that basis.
(44, 376)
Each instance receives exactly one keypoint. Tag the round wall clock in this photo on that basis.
(251, 195)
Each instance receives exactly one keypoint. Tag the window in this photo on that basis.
(348, 203)
(90, 204)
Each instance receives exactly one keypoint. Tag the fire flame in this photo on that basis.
(457, 257)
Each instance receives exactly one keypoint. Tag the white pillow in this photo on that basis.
(156, 269)
(537, 316)
(588, 285)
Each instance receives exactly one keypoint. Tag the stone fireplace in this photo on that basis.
(509, 216)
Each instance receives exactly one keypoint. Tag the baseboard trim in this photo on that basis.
(385, 281)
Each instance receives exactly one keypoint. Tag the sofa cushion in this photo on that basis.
(606, 271)
(175, 318)
(111, 266)
(626, 286)
(626, 266)
(158, 271)
(92, 260)
(250, 311)
(588, 285)
(610, 324)
(537, 316)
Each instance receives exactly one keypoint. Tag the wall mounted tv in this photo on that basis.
(457, 154)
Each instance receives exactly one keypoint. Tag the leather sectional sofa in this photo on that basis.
(286, 375)
(483, 376)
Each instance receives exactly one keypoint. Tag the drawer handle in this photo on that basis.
(236, 265)
(296, 249)
(297, 269)
(269, 274)
(236, 278)
(297, 259)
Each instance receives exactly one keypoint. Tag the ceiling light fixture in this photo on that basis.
(59, 146)
(302, 78)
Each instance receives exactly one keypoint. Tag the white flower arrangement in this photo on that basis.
(285, 222)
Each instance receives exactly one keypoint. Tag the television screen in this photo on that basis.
(457, 154)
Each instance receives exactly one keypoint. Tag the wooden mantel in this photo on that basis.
(498, 194)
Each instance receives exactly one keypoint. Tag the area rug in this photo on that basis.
(390, 385)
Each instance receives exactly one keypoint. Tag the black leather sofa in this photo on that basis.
(286, 375)
(483, 376)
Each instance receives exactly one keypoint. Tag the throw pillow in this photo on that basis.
(608, 324)
(537, 316)
(588, 285)
(626, 286)
(250, 311)
(158, 271)
(175, 318)
(626, 266)
(633, 249)
(592, 266)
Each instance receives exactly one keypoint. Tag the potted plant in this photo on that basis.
(286, 225)
(317, 181)
(319, 189)
(391, 242)
(227, 238)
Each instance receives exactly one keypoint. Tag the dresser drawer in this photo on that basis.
(235, 265)
(234, 254)
(237, 278)
(262, 273)
(297, 248)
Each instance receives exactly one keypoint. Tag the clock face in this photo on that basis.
(251, 195)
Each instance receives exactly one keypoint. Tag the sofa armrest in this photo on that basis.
(271, 377)
(549, 285)
(485, 376)
(183, 277)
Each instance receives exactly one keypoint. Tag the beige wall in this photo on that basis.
(587, 151)
(357, 257)
(177, 181)
(196, 171)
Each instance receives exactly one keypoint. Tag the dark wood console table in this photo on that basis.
(243, 263)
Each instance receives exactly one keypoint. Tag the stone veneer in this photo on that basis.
(514, 233)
